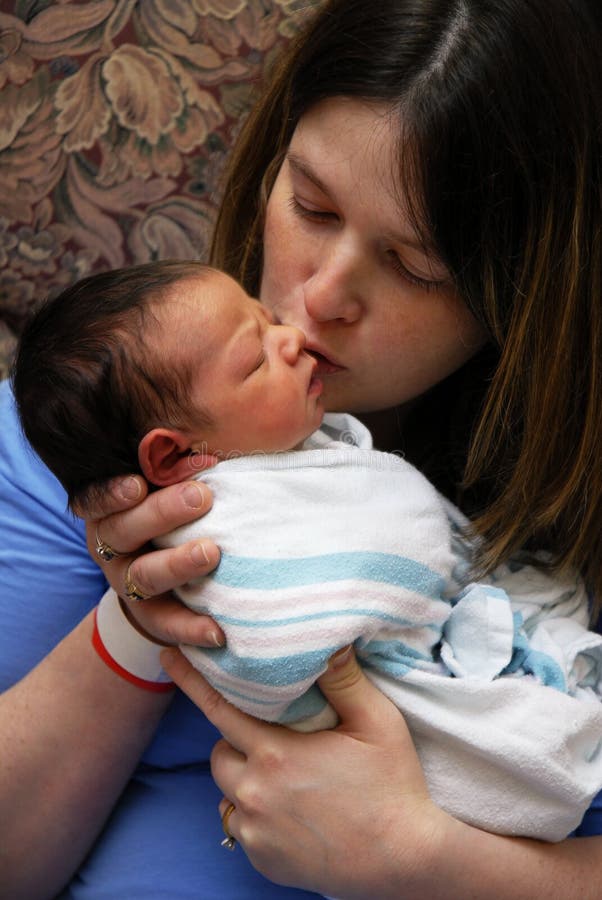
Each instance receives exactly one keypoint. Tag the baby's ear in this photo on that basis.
(165, 457)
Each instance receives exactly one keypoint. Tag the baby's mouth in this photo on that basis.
(314, 385)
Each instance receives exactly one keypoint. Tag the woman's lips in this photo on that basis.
(325, 365)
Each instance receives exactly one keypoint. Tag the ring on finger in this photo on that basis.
(229, 841)
(132, 592)
(104, 550)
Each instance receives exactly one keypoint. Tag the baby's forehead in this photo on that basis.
(202, 311)
(187, 298)
(210, 288)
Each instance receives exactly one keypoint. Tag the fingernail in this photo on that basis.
(199, 555)
(194, 496)
(130, 488)
(340, 658)
(217, 639)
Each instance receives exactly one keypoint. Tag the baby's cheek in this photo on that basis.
(286, 429)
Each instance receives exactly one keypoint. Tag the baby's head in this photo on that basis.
(142, 369)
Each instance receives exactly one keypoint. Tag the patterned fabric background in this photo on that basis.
(115, 119)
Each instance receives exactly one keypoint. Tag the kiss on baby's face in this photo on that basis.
(251, 376)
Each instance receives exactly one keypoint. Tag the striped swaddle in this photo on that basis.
(315, 555)
(337, 543)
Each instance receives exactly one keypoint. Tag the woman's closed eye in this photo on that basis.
(313, 213)
(426, 284)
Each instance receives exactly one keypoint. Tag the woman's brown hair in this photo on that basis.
(500, 153)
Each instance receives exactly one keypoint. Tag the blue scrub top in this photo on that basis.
(163, 838)
(592, 821)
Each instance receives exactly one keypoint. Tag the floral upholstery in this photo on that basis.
(115, 119)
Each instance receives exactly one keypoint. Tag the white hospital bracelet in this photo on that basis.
(125, 650)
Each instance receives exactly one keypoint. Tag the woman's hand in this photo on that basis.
(344, 812)
(126, 517)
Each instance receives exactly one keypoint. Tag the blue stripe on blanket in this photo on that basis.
(274, 574)
(533, 662)
(308, 704)
(280, 671)
(346, 613)
(394, 657)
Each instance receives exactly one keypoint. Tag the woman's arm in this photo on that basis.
(486, 866)
(71, 730)
(347, 813)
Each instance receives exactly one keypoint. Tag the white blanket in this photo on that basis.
(337, 543)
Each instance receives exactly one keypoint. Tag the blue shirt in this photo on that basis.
(592, 821)
(163, 838)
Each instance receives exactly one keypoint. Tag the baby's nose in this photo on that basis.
(293, 341)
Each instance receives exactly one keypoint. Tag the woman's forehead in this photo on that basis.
(349, 133)
(350, 149)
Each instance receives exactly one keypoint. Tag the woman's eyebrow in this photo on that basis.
(302, 168)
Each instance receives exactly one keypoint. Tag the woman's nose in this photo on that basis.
(332, 291)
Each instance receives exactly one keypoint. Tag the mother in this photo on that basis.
(419, 191)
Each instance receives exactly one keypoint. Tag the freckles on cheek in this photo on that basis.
(287, 266)
(281, 239)
(271, 290)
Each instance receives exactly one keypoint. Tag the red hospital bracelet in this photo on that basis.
(126, 651)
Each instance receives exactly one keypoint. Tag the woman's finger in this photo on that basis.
(167, 621)
(159, 571)
(363, 710)
(240, 730)
(228, 769)
(117, 495)
(158, 513)
(154, 574)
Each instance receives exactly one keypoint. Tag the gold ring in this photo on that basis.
(104, 550)
(229, 841)
(131, 591)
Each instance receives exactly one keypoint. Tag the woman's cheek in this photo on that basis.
(280, 261)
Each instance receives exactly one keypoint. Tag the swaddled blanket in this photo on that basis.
(337, 543)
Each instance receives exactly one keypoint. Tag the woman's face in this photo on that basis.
(343, 263)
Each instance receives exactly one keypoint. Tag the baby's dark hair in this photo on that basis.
(87, 384)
